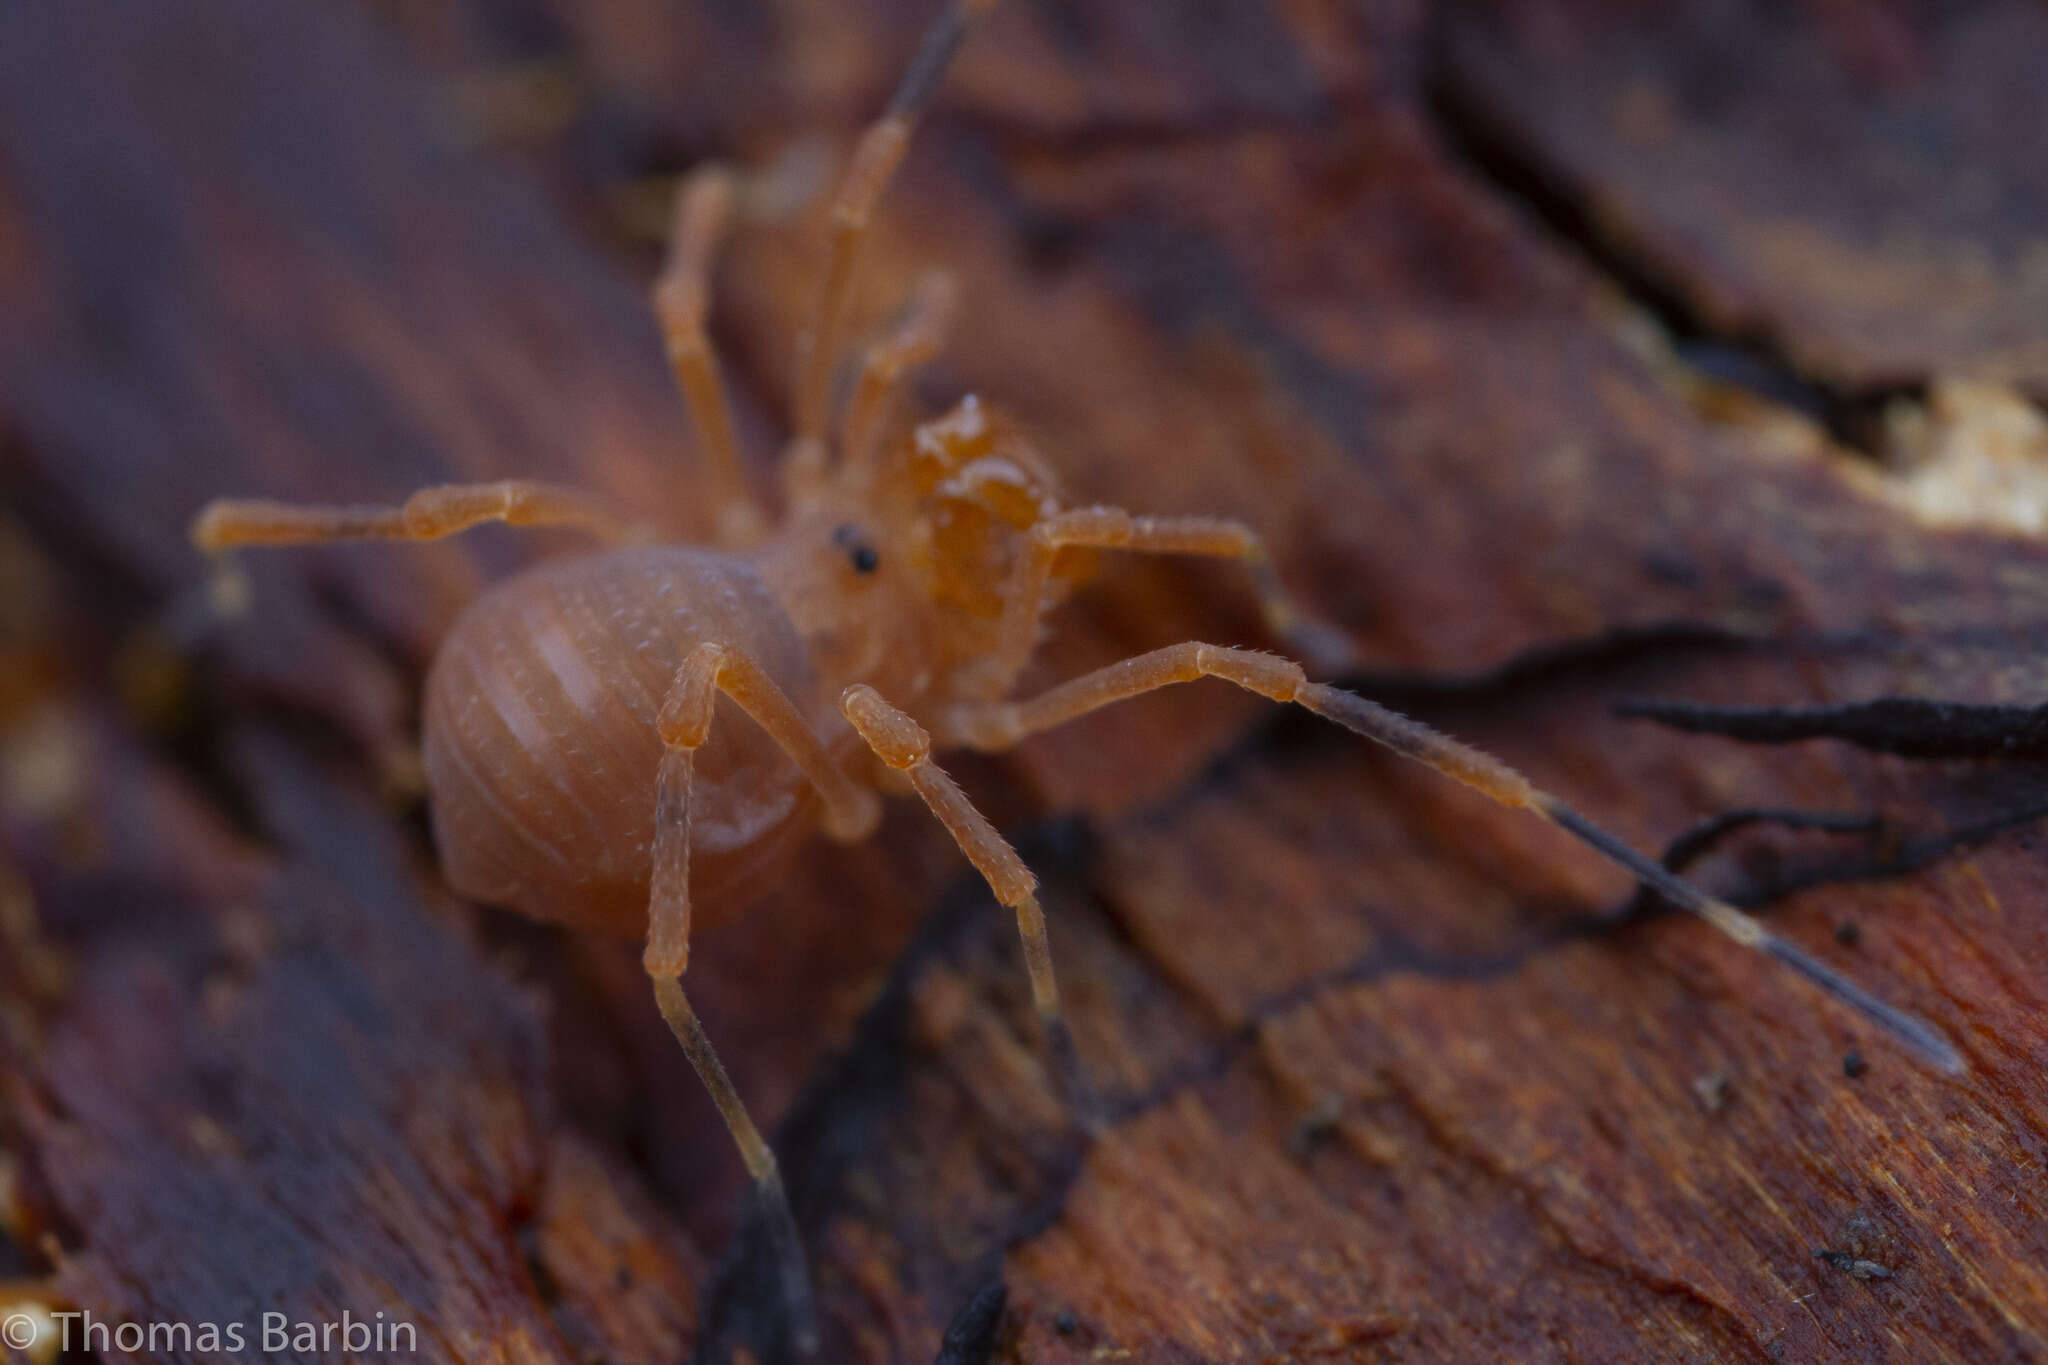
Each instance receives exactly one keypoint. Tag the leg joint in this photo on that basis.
(433, 512)
(684, 721)
(896, 739)
(1103, 528)
(1266, 674)
(681, 304)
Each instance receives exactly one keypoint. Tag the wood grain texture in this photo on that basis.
(1836, 180)
(1392, 1075)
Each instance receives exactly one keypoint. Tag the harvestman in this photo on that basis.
(581, 764)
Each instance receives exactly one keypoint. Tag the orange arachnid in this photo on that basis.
(623, 740)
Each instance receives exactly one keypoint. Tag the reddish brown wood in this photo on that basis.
(1838, 181)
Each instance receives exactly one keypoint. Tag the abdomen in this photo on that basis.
(541, 750)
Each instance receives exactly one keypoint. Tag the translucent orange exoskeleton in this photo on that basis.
(623, 740)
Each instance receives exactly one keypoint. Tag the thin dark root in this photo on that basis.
(1689, 847)
(1694, 844)
(1911, 727)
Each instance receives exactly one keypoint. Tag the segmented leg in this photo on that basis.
(915, 339)
(429, 514)
(874, 164)
(682, 298)
(902, 744)
(850, 813)
(998, 725)
(786, 1242)
(1112, 528)
(685, 723)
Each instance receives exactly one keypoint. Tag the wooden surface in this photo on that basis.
(1567, 358)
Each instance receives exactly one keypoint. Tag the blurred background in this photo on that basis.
(1577, 359)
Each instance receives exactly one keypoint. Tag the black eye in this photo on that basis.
(863, 555)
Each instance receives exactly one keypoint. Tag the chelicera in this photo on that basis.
(624, 740)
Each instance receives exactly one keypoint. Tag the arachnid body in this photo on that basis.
(623, 741)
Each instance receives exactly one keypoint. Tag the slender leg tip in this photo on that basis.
(1089, 1116)
(1929, 1046)
(1943, 1056)
(786, 1245)
(1083, 1105)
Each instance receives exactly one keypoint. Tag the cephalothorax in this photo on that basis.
(623, 740)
